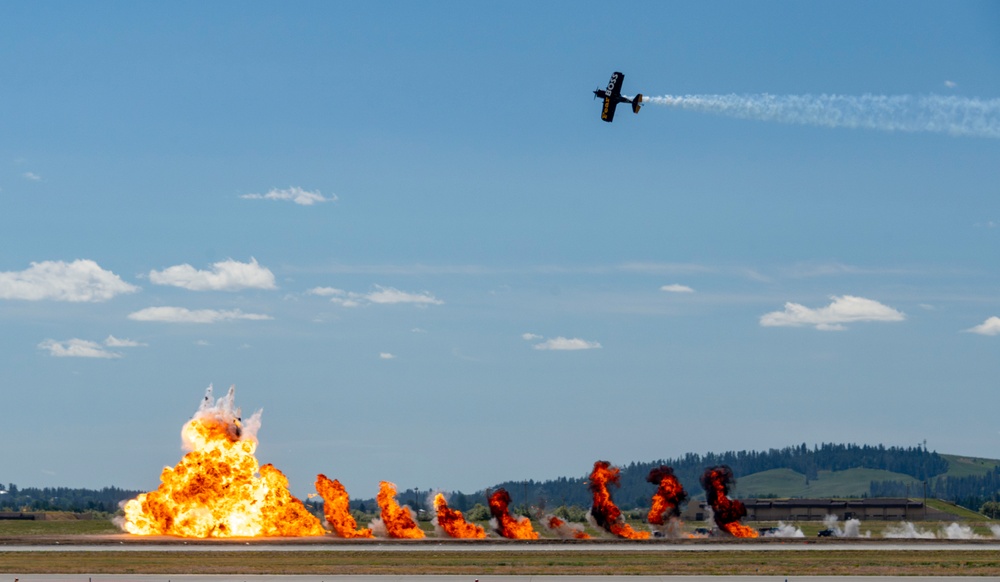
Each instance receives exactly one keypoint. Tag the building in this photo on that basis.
(885, 509)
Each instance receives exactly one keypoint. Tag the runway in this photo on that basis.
(402, 546)
(434, 578)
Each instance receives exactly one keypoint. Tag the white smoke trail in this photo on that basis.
(958, 116)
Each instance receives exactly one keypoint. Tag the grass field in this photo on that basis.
(788, 563)
(57, 527)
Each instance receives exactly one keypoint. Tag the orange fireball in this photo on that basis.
(604, 510)
(336, 508)
(398, 520)
(507, 526)
(727, 512)
(668, 497)
(453, 523)
(218, 489)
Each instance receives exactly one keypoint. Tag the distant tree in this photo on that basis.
(991, 509)
(477, 512)
(571, 513)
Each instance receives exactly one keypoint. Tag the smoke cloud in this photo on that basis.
(785, 530)
(852, 528)
(908, 531)
(563, 529)
(953, 115)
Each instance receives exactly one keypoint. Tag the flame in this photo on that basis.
(215, 490)
(507, 526)
(563, 529)
(398, 520)
(336, 508)
(604, 510)
(728, 512)
(453, 523)
(668, 497)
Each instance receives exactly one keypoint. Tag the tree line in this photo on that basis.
(976, 492)
(72, 499)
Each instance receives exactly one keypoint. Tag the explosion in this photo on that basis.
(668, 497)
(727, 512)
(336, 508)
(218, 489)
(507, 526)
(453, 523)
(564, 529)
(604, 511)
(398, 521)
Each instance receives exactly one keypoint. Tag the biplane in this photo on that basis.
(613, 96)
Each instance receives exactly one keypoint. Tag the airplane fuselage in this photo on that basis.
(602, 93)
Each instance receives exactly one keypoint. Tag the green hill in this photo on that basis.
(969, 466)
(847, 483)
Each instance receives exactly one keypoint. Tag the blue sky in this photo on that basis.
(404, 232)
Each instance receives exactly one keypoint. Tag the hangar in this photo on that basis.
(886, 509)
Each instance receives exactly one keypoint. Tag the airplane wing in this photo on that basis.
(612, 96)
(615, 85)
(608, 111)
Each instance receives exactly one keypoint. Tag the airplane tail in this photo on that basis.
(637, 103)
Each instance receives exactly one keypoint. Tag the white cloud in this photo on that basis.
(226, 275)
(388, 295)
(562, 343)
(76, 348)
(113, 342)
(184, 315)
(843, 309)
(677, 288)
(31, 176)
(989, 327)
(79, 281)
(293, 194)
(386, 356)
(338, 296)
(950, 84)
(380, 296)
(530, 337)
(325, 291)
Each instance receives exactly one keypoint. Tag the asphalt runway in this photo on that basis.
(432, 578)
